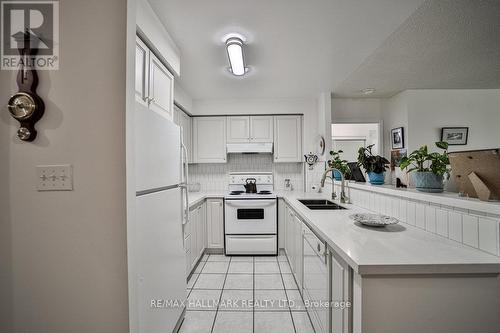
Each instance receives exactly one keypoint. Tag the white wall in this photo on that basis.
(394, 115)
(430, 110)
(157, 37)
(68, 266)
(307, 107)
(182, 98)
(357, 110)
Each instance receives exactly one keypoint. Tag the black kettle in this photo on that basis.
(251, 185)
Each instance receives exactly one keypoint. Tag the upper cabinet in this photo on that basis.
(238, 129)
(154, 84)
(249, 129)
(288, 139)
(141, 71)
(209, 140)
(261, 129)
(184, 122)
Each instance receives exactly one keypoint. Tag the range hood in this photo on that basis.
(250, 147)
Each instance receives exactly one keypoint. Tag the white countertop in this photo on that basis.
(396, 249)
(197, 197)
(444, 198)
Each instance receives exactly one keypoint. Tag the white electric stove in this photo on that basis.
(251, 220)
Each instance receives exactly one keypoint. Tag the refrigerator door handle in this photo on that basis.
(185, 183)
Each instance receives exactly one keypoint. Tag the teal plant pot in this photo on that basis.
(376, 178)
(428, 182)
(337, 175)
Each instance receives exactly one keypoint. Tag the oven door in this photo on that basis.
(250, 216)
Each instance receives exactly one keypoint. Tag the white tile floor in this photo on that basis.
(244, 294)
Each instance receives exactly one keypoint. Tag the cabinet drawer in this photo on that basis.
(251, 244)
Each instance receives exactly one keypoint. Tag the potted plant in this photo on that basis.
(339, 164)
(374, 165)
(429, 168)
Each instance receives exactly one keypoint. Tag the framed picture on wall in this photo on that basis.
(397, 138)
(455, 136)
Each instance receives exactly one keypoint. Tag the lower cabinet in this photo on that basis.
(293, 244)
(341, 293)
(321, 275)
(215, 223)
(195, 236)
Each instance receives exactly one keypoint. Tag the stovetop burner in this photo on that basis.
(236, 192)
(264, 192)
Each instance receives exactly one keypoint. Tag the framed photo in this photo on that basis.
(455, 135)
(396, 156)
(397, 138)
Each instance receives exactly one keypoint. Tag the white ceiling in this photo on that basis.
(296, 48)
(445, 44)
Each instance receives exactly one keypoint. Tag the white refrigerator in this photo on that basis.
(160, 214)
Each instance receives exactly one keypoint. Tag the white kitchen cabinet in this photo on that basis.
(201, 230)
(161, 88)
(281, 223)
(195, 236)
(154, 84)
(141, 71)
(293, 244)
(288, 139)
(215, 223)
(184, 121)
(249, 129)
(261, 129)
(209, 140)
(298, 252)
(238, 129)
(341, 290)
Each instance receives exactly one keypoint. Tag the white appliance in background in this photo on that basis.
(158, 253)
(251, 221)
(316, 279)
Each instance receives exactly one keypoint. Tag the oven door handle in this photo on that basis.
(247, 203)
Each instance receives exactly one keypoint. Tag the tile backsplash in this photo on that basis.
(214, 176)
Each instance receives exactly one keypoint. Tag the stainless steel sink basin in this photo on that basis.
(320, 204)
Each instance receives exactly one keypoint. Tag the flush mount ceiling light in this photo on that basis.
(234, 47)
(368, 91)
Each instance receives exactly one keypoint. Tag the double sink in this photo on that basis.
(320, 204)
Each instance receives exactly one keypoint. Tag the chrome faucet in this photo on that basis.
(343, 197)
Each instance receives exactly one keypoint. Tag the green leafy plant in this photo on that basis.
(421, 160)
(370, 162)
(338, 163)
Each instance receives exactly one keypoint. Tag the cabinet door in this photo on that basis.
(194, 220)
(298, 252)
(215, 223)
(261, 129)
(200, 229)
(161, 88)
(238, 129)
(290, 239)
(288, 139)
(141, 71)
(209, 139)
(341, 291)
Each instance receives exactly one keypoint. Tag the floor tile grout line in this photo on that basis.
(194, 283)
(220, 297)
(287, 299)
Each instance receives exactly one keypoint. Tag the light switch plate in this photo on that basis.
(54, 177)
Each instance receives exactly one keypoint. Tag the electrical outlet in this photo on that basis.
(54, 177)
